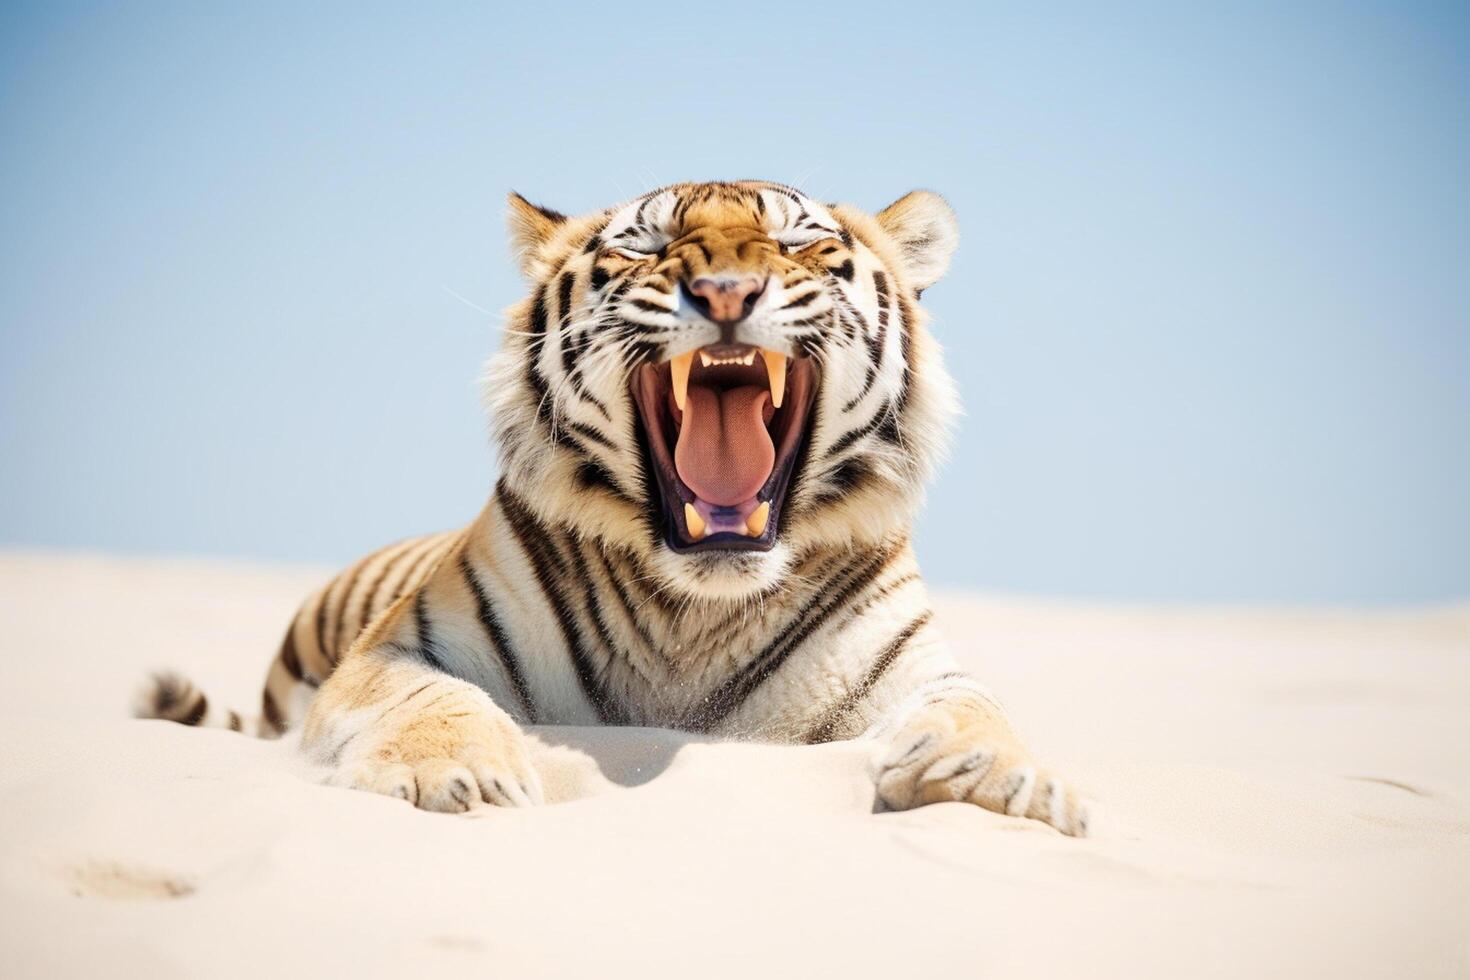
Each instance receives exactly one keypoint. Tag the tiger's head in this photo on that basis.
(722, 377)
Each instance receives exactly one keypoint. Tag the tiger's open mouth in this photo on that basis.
(723, 426)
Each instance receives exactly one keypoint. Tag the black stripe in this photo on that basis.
(289, 657)
(561, 437)
(888, 424)
(810, 344)
(426, 633)
(638, 352)
(271, 712)
(370, 596)
(638, 215)
(815, 320)
(594, 608)
(848, 475)
(321, 625)
(427, 551)
(589, 432)
(538, 312)
(564, 297)
(593, 475)
(882, 592)
(905, 346)
(534, 379)
(627, 604)
(853, 435)
(874, 346)
(827, 728)
(880, 287)
(341, 617)
(868, 380)
(803, 300)
(524, 522)
(723, 701)
(571, 347)
(550, 568)
(411, 552)
(579, 387)
(498, 641)
(196, 714)
(428, 557)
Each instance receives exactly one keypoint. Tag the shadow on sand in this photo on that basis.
(625, 756)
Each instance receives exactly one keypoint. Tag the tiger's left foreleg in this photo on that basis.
(951, 741)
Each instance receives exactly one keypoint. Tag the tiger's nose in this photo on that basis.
(725, 299)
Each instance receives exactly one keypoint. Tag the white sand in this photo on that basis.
(1283, 795)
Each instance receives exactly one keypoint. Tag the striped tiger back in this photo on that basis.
(328, 623)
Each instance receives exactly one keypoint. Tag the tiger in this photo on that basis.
(715, 415)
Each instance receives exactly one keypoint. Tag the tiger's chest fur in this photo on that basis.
(696, 665)
(564, 630)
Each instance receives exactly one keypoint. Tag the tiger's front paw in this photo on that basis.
(961, 753)
(444, 747)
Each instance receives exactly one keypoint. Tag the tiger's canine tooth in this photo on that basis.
(704, 359)
(755, 524)
(694, 522)
(776, 371)
(679, 368)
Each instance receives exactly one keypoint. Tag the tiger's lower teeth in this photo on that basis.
(694, 522)
(755, 524)
(725, 520)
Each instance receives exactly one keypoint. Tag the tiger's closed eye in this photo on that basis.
(631, 255)
(797, 239)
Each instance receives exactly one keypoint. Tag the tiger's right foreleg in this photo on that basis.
(389, 722)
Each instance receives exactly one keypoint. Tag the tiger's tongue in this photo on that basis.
(724, 453)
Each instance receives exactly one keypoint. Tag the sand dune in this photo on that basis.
(1278, 794)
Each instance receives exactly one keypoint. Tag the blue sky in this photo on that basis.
(1209, 314)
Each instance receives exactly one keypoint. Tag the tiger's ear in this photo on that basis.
(923, 226)
(531, 227)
